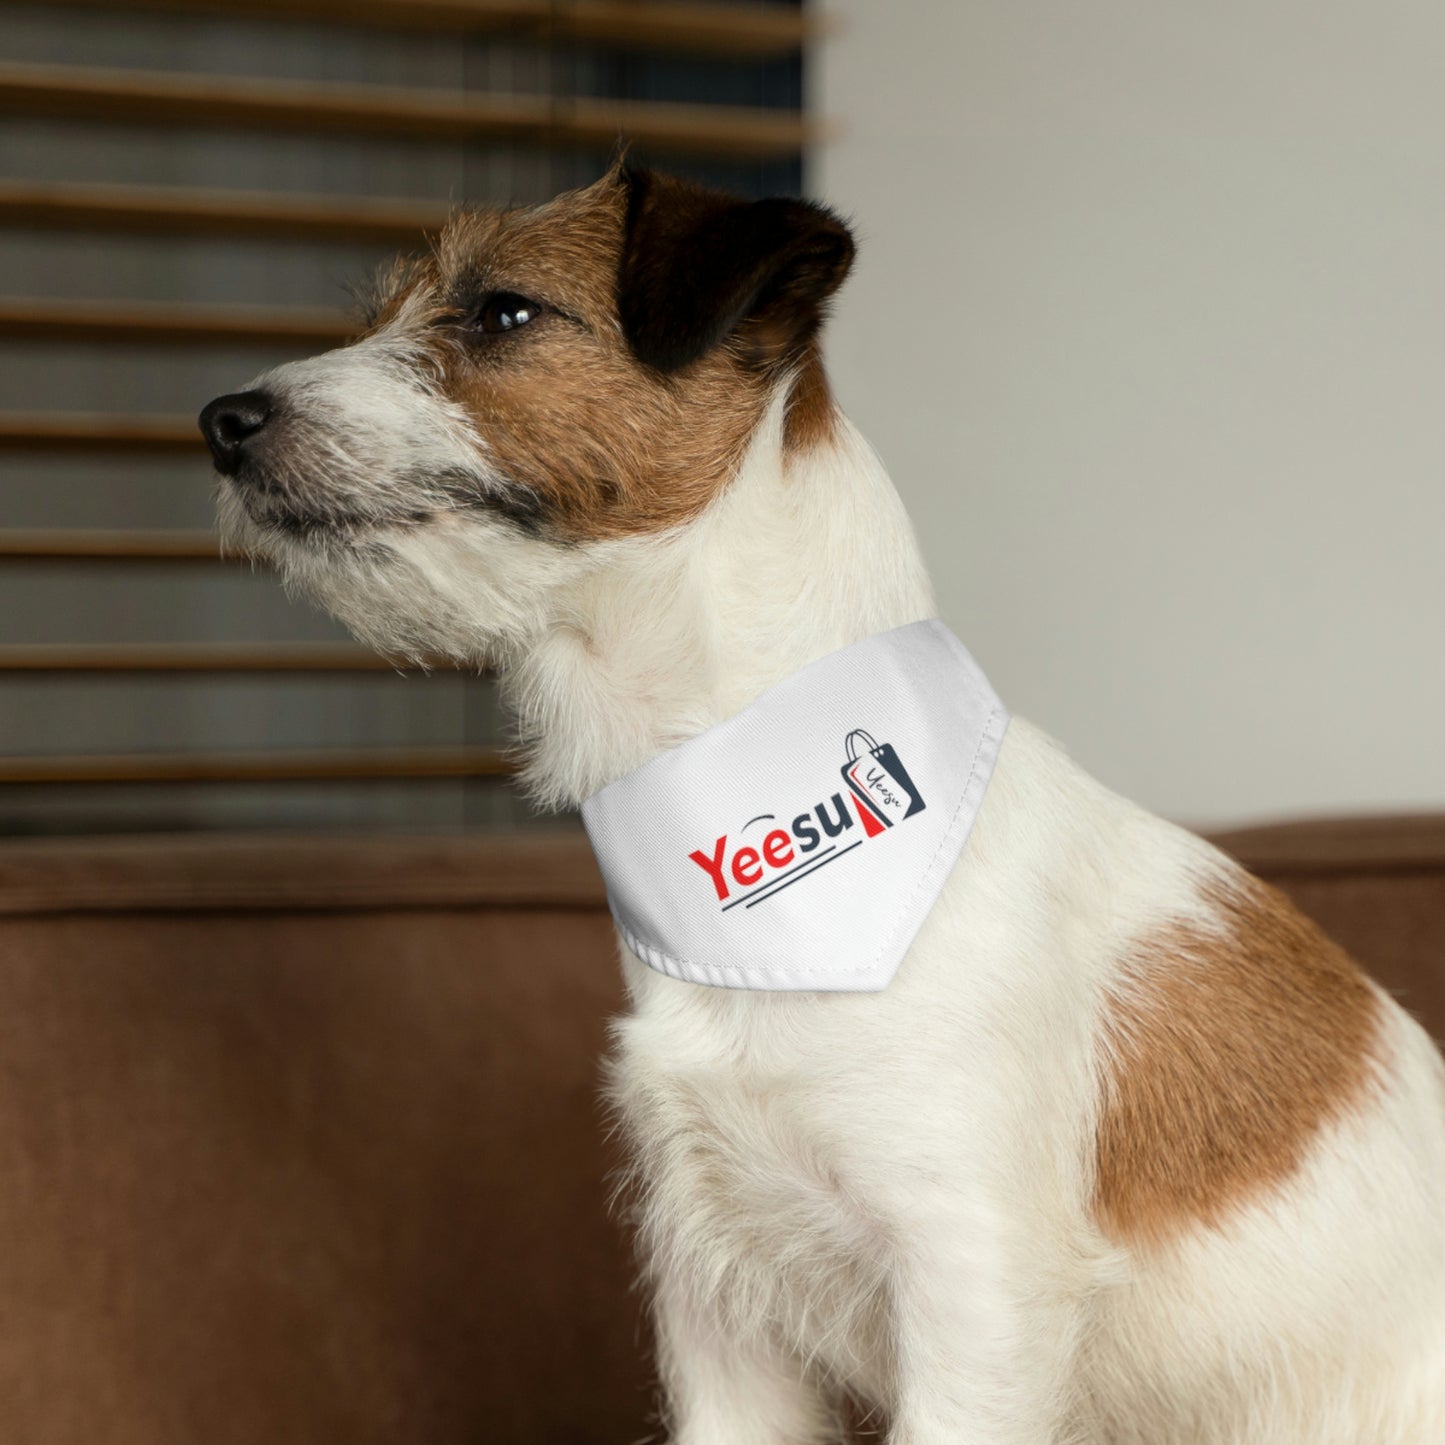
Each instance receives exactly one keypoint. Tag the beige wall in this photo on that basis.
(1149, 324)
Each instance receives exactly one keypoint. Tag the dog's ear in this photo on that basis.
(699, 267)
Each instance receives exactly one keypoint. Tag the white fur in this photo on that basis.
(889, 1194)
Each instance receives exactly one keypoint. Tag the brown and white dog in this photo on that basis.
(1127, 1152)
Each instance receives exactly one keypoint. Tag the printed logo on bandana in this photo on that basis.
(882, 795)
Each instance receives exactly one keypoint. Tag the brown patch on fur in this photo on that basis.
(812, 416)
(1229, 1051)
(592, 441)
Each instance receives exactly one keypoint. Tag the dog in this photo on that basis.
(1127, 1152)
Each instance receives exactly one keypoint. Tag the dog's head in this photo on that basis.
(546, 383)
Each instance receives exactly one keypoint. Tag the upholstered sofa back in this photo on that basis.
(300, 1140)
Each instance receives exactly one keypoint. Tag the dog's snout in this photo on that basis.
(229, 422)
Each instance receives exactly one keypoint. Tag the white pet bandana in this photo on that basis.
(800, 844)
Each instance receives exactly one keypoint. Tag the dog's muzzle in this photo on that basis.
(231, 424)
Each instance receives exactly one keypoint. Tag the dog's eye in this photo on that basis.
(505, 311)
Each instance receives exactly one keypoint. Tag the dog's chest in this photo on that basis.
(745, 1186)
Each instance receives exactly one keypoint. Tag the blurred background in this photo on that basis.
(190, 193)
(1149, 324)
(1146, 323)
(301, 1006)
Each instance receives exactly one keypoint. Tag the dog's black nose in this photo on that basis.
(229, 422)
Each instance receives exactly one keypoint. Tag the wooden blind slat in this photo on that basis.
(257, 767)
(176, 211)
(160, 98)
(94, 431)
(112, 96)
(181, 657)
(705, 29)
(755, 31)
(168, 323)
(109, 546)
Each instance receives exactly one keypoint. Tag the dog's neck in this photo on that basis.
(804, 553)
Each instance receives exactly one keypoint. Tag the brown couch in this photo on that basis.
(299, 1140)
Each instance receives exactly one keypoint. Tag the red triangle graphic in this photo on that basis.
(871, 826)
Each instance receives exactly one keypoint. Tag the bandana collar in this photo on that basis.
(801, 843)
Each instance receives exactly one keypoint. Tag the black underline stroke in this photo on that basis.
(778, 879)
(818, 863)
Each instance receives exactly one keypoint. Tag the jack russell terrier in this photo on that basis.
(955, 1085)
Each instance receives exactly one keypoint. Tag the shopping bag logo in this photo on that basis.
(879, 779)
